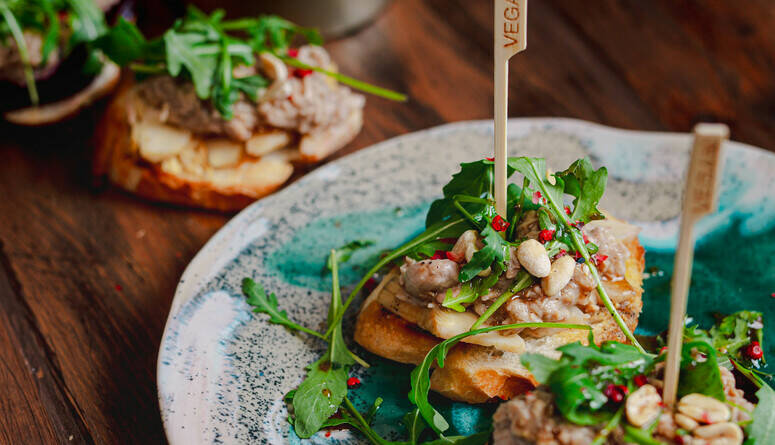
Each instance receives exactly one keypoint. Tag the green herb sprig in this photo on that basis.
(205, 49)
(84, 21)
(468, 203)
(267, 304)
(586, 185)
(321, 393)
(420, 377)
(451, 228)
(321, 400)
(579, 377)
(347, 80)
(762, 429)
(21, 44)
(698, 376)
(344, 253)
(729, 338)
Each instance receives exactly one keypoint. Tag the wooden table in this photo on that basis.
(88, 275)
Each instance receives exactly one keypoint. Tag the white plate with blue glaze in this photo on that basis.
(223, 371)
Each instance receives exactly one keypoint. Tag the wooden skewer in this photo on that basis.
(510, 34)
(699, 200)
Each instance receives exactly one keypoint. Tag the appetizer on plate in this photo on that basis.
(222, 109)
(536, 306)
(524, 269)
(49, 65)
(612, 394)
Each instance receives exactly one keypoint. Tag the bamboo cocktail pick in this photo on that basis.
(510, 34)
(699, 200)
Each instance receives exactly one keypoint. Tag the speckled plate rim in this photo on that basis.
(236, 234)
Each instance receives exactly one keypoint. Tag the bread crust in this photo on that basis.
(477, 374)
(115, 158)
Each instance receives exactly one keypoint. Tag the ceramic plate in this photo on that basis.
(223, 371)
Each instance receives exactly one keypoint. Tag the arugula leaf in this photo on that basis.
(697, 376)
(205, 48)
(762, 429)
(577, 396)
(250, 86)
(452, 228)
(736, 331)
(608, 353)
(344, 253)
(321, 393)
(534, 170)
(523, 281)
(420, 378)
(480, 438)
(469, 292)
(123, 43)
(372, 414)
(495, 254)
(587, 186)
(349, 81)
(729, 337)
(541, 366)
(353, 418)
(271, 32)
(52, 29)
(418, 396)
(639, 436)
(338, 353)
(87, 22)
(579, 377)
(21, 45)
(179, 51)
(256, 297)
(613, 422)
(318, 397)
(474, 179)
(429, 249)
(415, 425)
(693, 333)
(349, 415)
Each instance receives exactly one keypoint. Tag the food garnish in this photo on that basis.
(206, 48)
(468, 203)
(594, 385)
(608, 387)
(81, 22)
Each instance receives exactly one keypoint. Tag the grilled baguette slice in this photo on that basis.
(163, 163)
(483, 368)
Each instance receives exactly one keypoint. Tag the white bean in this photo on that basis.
(643, 406)
(533, 257)
(685, 422)
(703, 409)
(466, 245)
(724, 433)
(559, 276)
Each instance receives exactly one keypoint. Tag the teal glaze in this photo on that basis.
(733, 270)
(301, 260)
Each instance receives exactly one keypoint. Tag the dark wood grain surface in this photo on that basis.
(87, 274)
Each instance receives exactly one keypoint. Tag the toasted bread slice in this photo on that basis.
(160, 162)
(481, 369)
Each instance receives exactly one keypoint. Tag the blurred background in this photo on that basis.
(87, 272)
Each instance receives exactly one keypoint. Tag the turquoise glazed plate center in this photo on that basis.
(223, 371)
